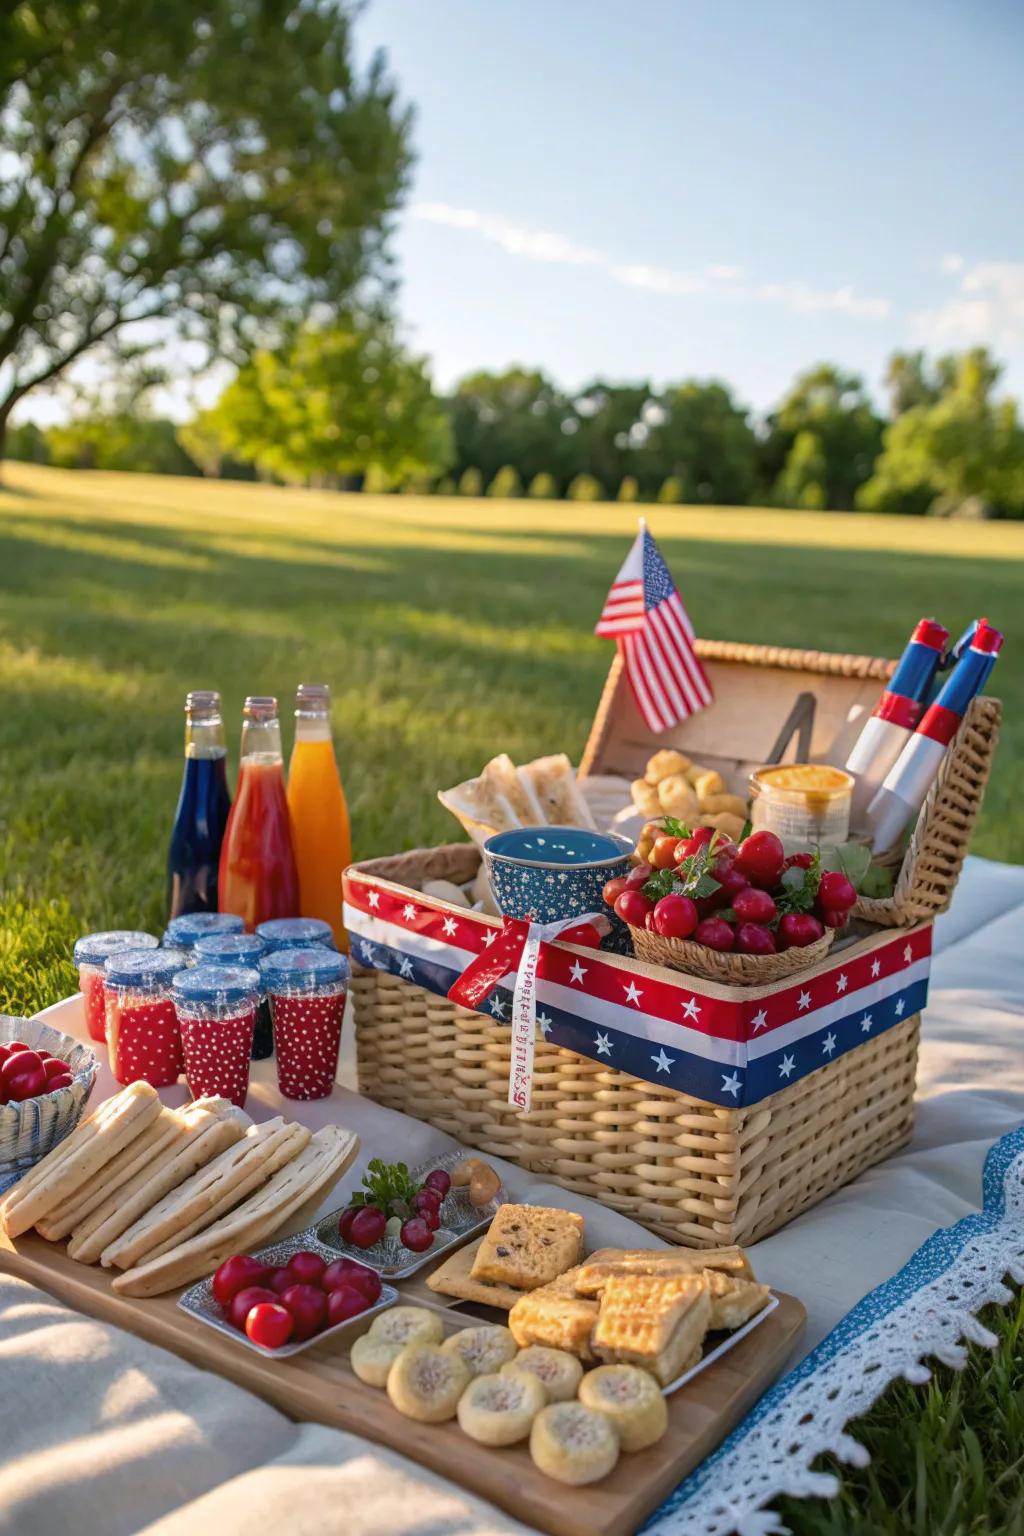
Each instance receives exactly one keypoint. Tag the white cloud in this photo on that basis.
(951, 265)
(720, 279)
(988, 308)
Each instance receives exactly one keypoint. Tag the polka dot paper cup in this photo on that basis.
(216, 1007)
(143, 1039)
(307, 990)
(91, 953)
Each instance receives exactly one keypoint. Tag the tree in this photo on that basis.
(516, 417)
(334, 403)
(471, 482)
(628, 489)
(834, 407)
(118, 438)
(221, 166)
(584, 487)
(696, 433)
(961, 452)
(506, 482)
(542, 487)
(802, 480)
(671, 490)
(202, 442)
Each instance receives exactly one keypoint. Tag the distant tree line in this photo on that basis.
(347, 406)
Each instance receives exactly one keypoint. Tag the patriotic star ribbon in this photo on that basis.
(517, 947)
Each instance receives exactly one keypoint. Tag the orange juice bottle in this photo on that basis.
(316, 803)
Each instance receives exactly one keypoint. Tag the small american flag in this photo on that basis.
(644, 614)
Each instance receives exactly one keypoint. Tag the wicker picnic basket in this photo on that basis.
(697, 1173)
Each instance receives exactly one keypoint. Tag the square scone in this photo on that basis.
(528, 1246)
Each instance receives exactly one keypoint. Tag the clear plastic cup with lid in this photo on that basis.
(806, 805)
(295, 933)
(143, 1039)
(184, 932)
(216, 1007)
(307, 989)
(90, 954)
(241, 949)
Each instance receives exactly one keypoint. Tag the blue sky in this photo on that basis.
(658, 189)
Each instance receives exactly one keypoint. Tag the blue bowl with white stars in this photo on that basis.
(550, 873)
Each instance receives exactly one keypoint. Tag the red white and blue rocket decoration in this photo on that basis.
(898, 710)
(908, 781)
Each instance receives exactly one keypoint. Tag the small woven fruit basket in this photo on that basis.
(711, 1108)
(32, 1127)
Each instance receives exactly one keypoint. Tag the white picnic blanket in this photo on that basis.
(106, 1435)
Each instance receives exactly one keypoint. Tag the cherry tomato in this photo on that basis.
(835, 920)
(663, 854)
(754, 906)
(633, 906)
(269, 1324)
(798, 929)
(695, 842)
(235, 1274)
(755, 939)
(343, 1303)
(244, 1300)
(798, 861)
(731, 881)
(649, 922)
(25, 1085)
(367, 1226)
(675, 917)
(835, 892)
(761, 857)
(53, 1083)
(306, 1268)
(716, 933)
(613, 889)
(54, 1067)
(308, 1307)
(21, 1061)
(14, 1046)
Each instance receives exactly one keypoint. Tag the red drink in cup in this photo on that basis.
(90, 954)
(143, 1039)
(216, 1007)
(306, 988)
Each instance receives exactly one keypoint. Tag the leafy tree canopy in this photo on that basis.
(335, 402)
(218, 165)
(833, 406)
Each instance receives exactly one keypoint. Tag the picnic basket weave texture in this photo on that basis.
(730, 969)
(696, 1173)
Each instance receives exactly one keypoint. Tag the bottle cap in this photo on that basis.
(260, 707)
(229, 949)
(295, 932)
(312, 699)
(220, 985)
(931, 633)
(190, 927)
(987, 639)
(146, 969)
(203, 704)
(95, 948)
(303, 970)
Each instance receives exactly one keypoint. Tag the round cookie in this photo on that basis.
(499, 1409)
(558, 1372)
(401, 1325)
(573, 1444)
(482, 1350)
(425, 1383)
(372, 1359)
(631, 1399)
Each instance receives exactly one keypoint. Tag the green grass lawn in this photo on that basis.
(448, 629)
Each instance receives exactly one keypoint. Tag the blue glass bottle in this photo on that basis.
(202, 813)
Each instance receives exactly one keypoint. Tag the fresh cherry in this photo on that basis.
(54, 1067)
(244, 1300)
(639, 875)
(695, 842)
(279, 1280)
(835, 892)
(761, 857)
(675, 916)
(308, 1307)
(798, 861)
(306, 1268)
(755, 939)
(344, 1302)
(716, 933)
(20, 1062)
(415, 1234)
(269, 1324)
(731, 881)
(352, 1276)
(835, 920)
(348, 1216)
(53, 1083)
(633, 907)
(798, 929)
(25, 1085)
(367, 1226)
(235, 1274)
(753, 905)
(429, 1209)
(438, 1179)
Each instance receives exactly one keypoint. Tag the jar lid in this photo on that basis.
(229, 949)
(144, 968)
(295, 932)
(94, 948)
(217, 984)
(303, 970)
(190, 927)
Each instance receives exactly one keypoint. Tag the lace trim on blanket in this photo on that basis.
(928, 1309)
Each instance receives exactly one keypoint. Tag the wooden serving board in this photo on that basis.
(319, 1386)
